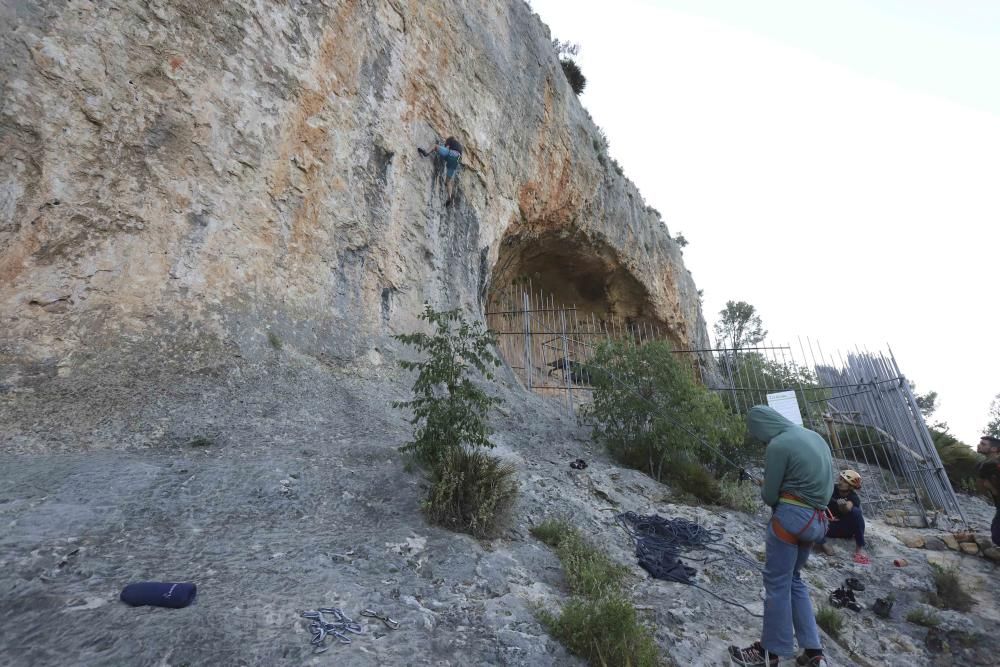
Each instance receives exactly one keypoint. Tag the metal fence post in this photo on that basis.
(527, 337)
(567, 367)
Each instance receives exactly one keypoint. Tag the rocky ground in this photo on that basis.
(278, 488)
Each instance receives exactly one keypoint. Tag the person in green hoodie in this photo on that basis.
(798, 482)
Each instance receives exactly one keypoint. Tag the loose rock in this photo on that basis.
(934, 544)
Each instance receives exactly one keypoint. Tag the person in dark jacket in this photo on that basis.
(989, 478)
(847, 520)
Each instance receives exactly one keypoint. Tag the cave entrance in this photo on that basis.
(554, 297)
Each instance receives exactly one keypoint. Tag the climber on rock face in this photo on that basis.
(450, 151)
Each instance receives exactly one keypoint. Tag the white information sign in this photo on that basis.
(787, 405)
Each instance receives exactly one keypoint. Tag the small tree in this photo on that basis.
(470, 491)
(565, 48)
(926, 403)
(449, 410)
(680, 240)
(993, 425)
(739, 326)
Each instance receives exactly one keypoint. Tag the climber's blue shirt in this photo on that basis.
(451, 158)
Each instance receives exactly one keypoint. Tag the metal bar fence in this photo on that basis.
(861, 404)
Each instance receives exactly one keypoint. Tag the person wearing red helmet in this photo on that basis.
(848, 521)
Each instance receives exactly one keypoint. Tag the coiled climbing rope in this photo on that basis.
(659, 542)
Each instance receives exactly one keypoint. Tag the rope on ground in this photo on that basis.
(659, 542)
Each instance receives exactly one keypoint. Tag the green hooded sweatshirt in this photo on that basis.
(797, 460)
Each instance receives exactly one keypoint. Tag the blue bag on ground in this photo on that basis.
(159, 594)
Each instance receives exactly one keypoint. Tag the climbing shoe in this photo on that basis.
(752, 656)
(815, 661)
(579, 464)
(837, 598)
(882, 607)
(422, 152)
(854, 584)
(844, 597)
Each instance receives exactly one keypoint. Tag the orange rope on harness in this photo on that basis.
(793, 538)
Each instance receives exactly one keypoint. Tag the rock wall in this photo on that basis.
(188, 180)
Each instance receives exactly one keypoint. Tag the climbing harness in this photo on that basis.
(321, 628)
(787, 536)
(659, 541)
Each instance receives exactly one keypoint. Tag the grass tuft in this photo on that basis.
(274, 341)
(551, 531)
(588, 571)
(830, 620)
(949, 593)
(928, 619)
(599, 623)
(471, 492)
(603, 631)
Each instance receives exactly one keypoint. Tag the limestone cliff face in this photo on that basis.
(185, 176)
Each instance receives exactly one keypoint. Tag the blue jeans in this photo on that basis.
(786, 602)
(851, 524)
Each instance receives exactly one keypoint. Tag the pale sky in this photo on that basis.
(835, 164)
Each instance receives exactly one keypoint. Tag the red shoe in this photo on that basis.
(862, 559)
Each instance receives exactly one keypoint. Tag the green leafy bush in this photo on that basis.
(691, 477)
(603, 631)
(651, 414)
(948, 591)
(830, 620)
(449, 410)
(739, 495)
(471, 492)
(959, 460)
